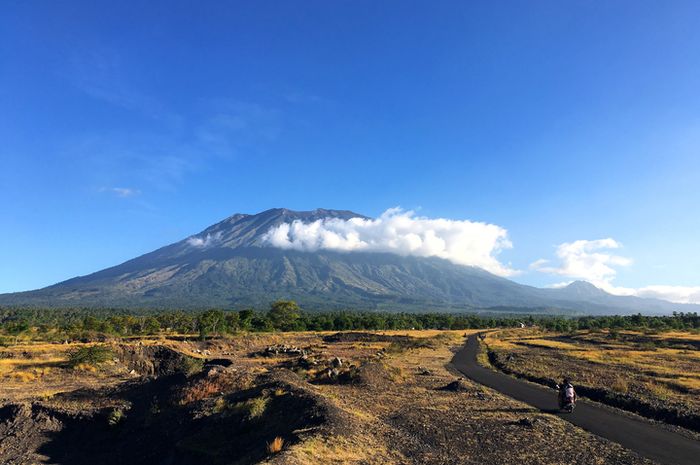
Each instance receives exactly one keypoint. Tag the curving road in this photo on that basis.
(645, 438)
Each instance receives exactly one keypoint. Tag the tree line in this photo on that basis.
(285, 315)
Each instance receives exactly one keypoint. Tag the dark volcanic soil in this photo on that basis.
(161, 421)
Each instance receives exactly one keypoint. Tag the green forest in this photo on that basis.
(285, 315)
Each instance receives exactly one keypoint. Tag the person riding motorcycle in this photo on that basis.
(567, 394)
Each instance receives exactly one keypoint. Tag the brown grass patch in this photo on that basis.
(276, 445)
(205, 388)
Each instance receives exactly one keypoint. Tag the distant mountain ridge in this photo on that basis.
(229, 265)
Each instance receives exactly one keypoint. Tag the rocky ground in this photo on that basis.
(304, 398)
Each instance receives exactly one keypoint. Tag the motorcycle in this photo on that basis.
(567, 404)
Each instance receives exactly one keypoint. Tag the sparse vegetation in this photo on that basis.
(116, 416)
(275, 445)
(253, 408)
(656, 374)
(204, 388)
(89, 356)
(381, 407)
(191, 365)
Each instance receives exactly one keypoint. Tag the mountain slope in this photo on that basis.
(229, 265)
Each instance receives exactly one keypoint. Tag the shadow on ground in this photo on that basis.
(156, 430)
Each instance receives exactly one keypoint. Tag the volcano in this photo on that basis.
(231, 265)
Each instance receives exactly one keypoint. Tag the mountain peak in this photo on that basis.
(580, 284)
(246, 230)
(584, 288)
(311, 215)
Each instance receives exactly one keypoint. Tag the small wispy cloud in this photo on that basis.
(171, 145)
(203, 242)
(101, 73)
(122, 192)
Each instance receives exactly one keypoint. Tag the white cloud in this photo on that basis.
(204, 242)
(401, 232)
(678, 294)
(592, 261)
(587, 260)
(122, 191)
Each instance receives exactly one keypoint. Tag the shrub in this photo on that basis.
(276, 445)
(221, 405)
(90, 355)
(204, 388)
(659, 390)
(620, 385)
(200, 390)
(115, 417)
(254, 408)
(190, 365)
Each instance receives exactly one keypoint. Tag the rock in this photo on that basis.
(220, 362)
(458, 385)
(527, 422)
(337, 362)
(283, 349)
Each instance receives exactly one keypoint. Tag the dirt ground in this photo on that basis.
(292, 398)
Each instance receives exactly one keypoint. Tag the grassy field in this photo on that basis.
(655, 374)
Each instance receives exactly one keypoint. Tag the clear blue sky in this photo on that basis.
(125, 126)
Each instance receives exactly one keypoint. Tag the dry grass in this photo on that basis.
(549, 344)
(659, 390)
(402, 417)
(275, 445)
(416, 422)
(630, 363)
(24, 376)
(204, 389)
(340, 450)
(422, 333)
(620, 385)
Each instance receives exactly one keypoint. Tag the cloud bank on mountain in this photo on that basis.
(401, 232)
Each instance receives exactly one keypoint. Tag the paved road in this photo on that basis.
(645, 438)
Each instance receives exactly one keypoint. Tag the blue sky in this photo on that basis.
(126, 126)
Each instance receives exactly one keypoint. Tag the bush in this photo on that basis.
(202, 389)
(190, 365)
(276, 445)
(91, 355)
(115, 417)
(254, 408)
(620, 384)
